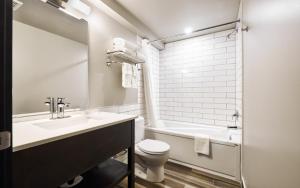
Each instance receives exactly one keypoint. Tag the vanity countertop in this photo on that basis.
(28, 134)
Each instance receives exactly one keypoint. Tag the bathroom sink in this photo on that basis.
(74, 121)
(63, 123)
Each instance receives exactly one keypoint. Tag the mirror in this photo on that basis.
(50, 57)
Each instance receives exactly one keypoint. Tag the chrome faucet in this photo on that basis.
(236, 115)
(57, 106)
(51, 104)
(61, 107)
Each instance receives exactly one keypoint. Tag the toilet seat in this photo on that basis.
(153, 147)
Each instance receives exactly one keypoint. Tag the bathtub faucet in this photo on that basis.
(236, 115)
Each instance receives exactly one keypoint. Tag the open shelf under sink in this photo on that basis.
(107, 174)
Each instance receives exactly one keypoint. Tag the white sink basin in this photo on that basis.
(70, 122)
(63, 123)
(74, 121)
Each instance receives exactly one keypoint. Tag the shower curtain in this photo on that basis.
(151, 107)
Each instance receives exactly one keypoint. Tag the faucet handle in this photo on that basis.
(60, 99)
(50, 100)
(61, 105)
(61, 102)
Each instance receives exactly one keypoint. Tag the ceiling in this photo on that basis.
(170, 17)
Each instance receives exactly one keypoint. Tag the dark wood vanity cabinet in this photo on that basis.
(52, 164)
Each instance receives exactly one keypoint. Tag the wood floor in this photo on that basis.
(177, 176)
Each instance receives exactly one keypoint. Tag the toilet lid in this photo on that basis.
(153, 146)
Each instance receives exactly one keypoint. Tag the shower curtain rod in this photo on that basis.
(195, 31)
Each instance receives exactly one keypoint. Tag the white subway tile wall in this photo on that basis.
(197, 80)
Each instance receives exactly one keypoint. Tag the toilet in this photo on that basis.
(150, 154)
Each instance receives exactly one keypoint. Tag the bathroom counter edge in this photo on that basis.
(29, 142)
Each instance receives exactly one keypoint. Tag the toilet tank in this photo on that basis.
(139, 129)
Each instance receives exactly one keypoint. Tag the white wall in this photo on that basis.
(105, 84)
(271, 152)
(198, 80)
(139, 107)
(46, 64)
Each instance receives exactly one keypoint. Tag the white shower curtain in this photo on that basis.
(151, 105)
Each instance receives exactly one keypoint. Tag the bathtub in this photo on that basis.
(225, 150)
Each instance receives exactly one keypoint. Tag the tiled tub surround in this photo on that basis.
(197, 79)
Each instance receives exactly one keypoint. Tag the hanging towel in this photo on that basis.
(127, 75)
(134, 79)
(201, 144)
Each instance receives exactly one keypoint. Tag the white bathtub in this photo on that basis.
(225, 147)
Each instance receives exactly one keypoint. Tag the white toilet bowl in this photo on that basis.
(152, 155)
